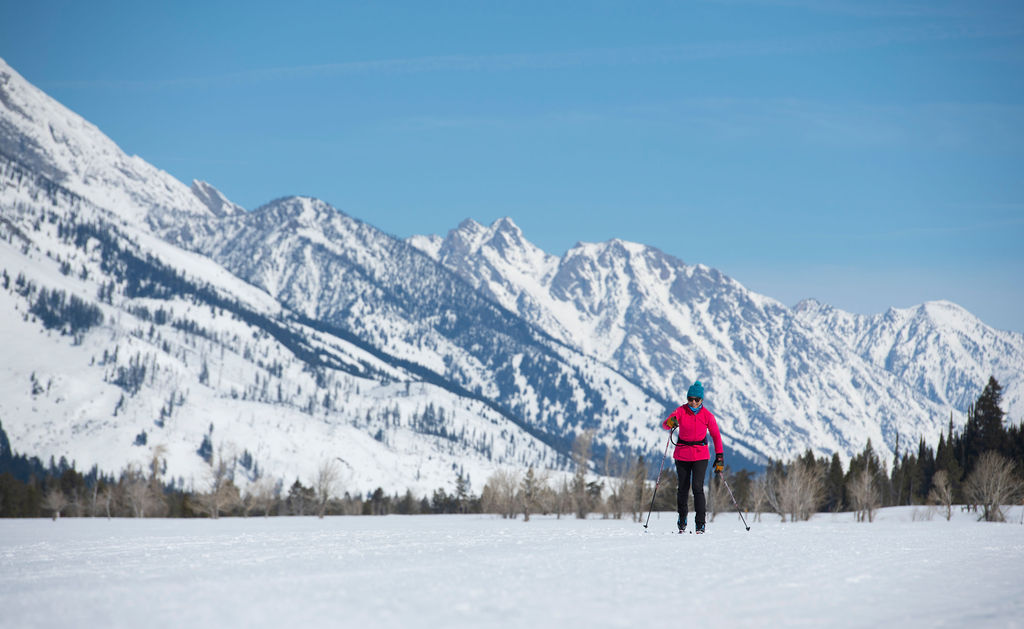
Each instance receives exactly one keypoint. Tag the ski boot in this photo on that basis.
(681, 523)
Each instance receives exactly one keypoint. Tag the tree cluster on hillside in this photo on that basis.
(55, 309)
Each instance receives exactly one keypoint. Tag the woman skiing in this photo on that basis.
(694, 421)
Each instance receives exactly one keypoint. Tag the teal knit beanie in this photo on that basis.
(696, 390)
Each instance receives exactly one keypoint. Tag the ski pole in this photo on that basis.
(658, 482)
(722, 476)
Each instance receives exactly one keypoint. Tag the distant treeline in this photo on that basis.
(980, 465)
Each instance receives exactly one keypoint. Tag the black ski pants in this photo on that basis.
(697, 470)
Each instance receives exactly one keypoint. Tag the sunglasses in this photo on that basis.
(693, 399)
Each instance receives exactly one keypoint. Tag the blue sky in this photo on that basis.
(865, 153)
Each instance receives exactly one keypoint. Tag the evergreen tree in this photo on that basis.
(989, 417)
(926, 464)
(834, 484)
(984, 431)
(461, 492)
(300, 498)
(945, 459)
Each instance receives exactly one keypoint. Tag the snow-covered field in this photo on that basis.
(482, 571)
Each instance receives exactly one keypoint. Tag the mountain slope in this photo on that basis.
(123, 343)
(55, 142)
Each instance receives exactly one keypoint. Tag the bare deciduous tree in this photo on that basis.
(563, 499)
(155, 461)
(621, 490)
(801, 490)
(581, 459)
(529, 493)
(942, 492)
(143, 499)
(717, 497)
(223, 494)
(759, 491)
(639, 491)
(261, 496)
(992, 484)
(326, 485)
(105, 500)
(500, 493)
(864, 494)
(547, 497)
(54, 501)
(92, 506)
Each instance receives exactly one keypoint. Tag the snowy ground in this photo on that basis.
(481, 571)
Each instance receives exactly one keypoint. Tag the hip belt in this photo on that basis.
(702, 442)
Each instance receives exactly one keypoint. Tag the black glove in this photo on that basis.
(719, 464)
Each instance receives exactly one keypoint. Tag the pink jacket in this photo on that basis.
(694, 427)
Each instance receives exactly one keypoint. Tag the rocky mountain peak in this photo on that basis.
(215, 200)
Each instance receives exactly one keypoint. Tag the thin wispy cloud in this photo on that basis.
(959, 227)
(919, 126)
(941, 126)
(609, 57)
(862, 8)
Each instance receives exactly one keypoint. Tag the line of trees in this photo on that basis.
(980, 467)
(30, 489)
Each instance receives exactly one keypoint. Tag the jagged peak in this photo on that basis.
(303, 210)
(505, 224)
(810, 304)
(469, 225)
(292, 202)
(617, 246)
(470, 237)
(214, 199)
(936, 310)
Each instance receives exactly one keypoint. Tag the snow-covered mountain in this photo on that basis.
(782, 379)
(938, 348)
(142, 315)
(385, 295)
(337, 338)
(117, 343)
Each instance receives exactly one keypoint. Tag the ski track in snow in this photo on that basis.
(473, 571)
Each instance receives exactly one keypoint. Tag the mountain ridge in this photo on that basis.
(633, 307)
